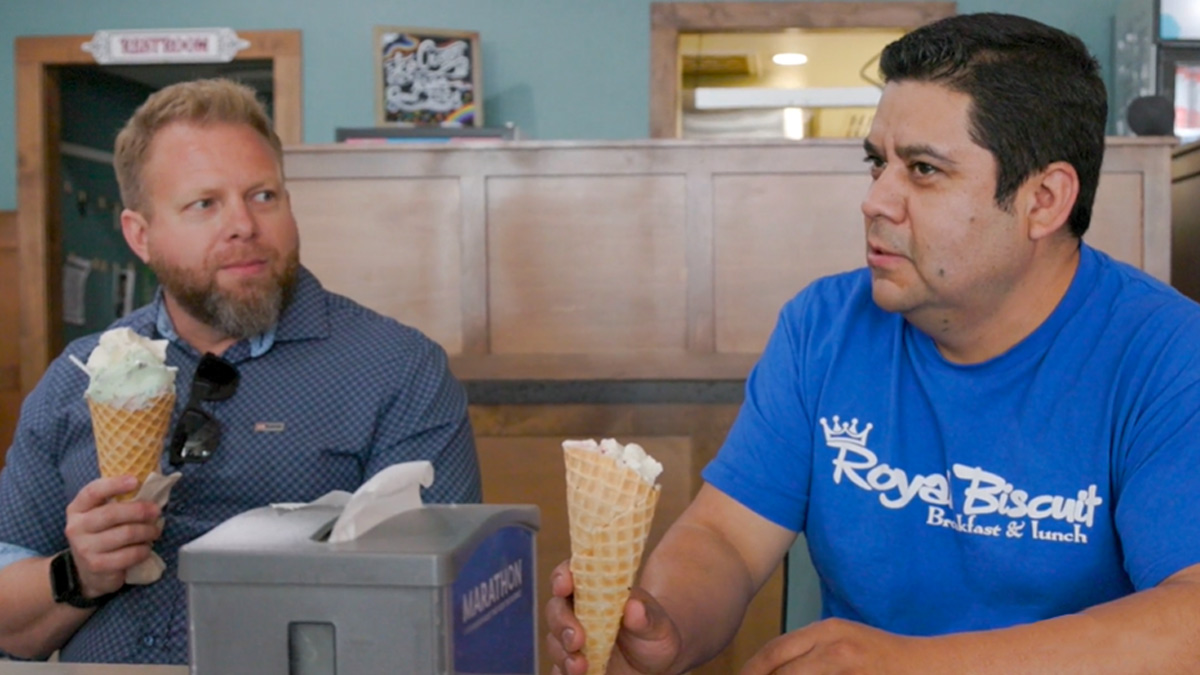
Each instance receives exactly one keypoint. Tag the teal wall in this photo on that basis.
(559, 69)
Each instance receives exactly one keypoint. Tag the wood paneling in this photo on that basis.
(1185, 217)
(669, 19)
(633, 260)
(520, 454)
(10, 372)
(396, 252)
(1119, 201)
(36, 61)
(1128, 161)
(36, 113)
(796, 240)
(587, 264)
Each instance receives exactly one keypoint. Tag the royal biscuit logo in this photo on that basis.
(990, 505)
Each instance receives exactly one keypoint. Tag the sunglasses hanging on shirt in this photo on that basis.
(197, 433)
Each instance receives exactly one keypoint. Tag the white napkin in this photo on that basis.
(394, 490)
(155, 489)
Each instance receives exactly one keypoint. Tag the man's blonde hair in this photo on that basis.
(200, 102)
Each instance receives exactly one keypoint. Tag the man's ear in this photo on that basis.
(136, 228)
(1054, 191)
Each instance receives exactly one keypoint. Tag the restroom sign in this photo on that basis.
(176, 45)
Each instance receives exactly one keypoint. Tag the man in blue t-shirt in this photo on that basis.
(990, 436)
(311, 392)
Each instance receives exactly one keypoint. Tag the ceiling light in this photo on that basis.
(790, 59)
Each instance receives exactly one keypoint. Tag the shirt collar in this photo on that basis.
(305, 317)
(259, 344)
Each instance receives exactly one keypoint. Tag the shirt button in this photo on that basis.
(149, 640)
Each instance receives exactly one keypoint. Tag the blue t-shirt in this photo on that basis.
(938, 497)
(337, 394)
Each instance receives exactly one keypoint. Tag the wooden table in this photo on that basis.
(23, 668)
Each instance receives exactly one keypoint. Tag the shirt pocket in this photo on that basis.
(254, 468)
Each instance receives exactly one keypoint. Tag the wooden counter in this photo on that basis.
(15, 668)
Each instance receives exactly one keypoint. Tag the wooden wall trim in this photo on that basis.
(634, 366)
(701, 310)
(669, 19)
(284, 49)
(10, 371)
(8, 230)
(764, 16)
(1156, 209)
(10, 378)
(33, 213)
(473, 188)
(37, 167)
(1185, 162)
(665, 120)
(1185, 231)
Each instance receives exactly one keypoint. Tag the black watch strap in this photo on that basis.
(65, 586)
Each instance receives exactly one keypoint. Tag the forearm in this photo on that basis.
(703, 585)
(708, 567)
(1154, 631)
(32, 625)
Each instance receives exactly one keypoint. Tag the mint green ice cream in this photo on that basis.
(128, 371)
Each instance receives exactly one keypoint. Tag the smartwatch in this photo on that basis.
(64, 583)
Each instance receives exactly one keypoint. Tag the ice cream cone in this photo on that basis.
(610, 509)
(130, 442)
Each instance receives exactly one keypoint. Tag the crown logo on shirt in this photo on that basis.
(841, 433)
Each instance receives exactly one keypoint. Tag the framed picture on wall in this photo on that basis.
(427, 77)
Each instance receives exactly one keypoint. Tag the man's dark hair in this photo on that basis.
(1036, 92)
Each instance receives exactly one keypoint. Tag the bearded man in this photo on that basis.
(318, 392)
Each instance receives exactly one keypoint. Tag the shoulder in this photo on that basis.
(366, 324)
(373, 337)
(834, 302)
(1147, 328)
(1134, 300)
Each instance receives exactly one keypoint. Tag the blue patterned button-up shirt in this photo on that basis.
(335, 394)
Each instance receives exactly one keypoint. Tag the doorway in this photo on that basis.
(668, 20)
(42, 66)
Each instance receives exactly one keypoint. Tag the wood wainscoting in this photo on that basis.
(647, 260)
(1185, 217)
(520, 453)
(10, 360)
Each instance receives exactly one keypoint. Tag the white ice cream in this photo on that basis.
(128, 370)
(631, 455)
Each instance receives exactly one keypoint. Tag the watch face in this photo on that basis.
(62, 585)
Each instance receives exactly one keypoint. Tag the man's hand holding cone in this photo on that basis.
(611, 497)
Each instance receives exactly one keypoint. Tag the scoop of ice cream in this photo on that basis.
(631, 455)
(128, 371)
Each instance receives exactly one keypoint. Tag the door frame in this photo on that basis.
(669, 19)
(38, 98)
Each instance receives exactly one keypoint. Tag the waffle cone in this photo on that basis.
(130, 442)
(610, 509)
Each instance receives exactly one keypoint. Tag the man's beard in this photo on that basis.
(239, 315)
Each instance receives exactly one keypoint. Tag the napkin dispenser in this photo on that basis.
(435, 589)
